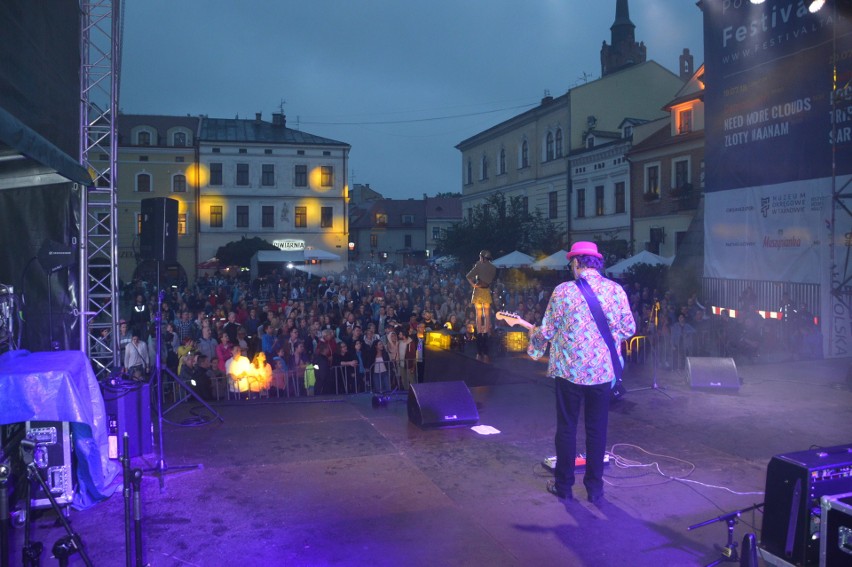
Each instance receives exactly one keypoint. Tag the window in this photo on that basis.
(599, 200)
(436, 233)
(525, 154)
(590, 142)
(548, 144)
(179, 184)
(374, 241)
(525, 203)
(553, 203)
(242, 216)
(242, 151)
(216, 150)
(620, 197)
(559, 142)
(326, 153)
(326, 217)
(138, 223)
(179, 159)
(179, 140)
(581, 203)
(242, 174)
(300, 152)
(267, 174)
(381, 219)
(215, 174)
(301, 179)
(215, 216)
(407, 241)
(684, 121)
(407, 219)
(143, 158)
(681, 173)
(652, 180)
(483, 169)
(181, 224)
(326, 176)
(267, 152)
(469, 173)
(502, 164)
(143, 138)
(301, 217)
(143, 183)
(267, 216)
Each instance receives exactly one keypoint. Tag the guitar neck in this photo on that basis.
(513, 319)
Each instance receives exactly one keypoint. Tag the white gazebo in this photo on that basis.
(643, 257)
(556, 261)
(514, 259)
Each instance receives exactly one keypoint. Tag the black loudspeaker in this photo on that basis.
(795, 482)
(54, 256)
(131, 413)
(712, 373)
(158, 240)
(440, 404)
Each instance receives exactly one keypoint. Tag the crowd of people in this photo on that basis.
(363, 330)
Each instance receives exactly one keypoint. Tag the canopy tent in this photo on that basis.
(556, 261)
(514, 259)
(444, 261)
(643, 257)
(317, 254)
(290, 256)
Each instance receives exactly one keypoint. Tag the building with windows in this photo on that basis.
(283, 185)
(668, 171)
(390, 230)
(441, 214)
(156, 157)
(532, 155)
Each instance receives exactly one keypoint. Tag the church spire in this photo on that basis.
(623, 50)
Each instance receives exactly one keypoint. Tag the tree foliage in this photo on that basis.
(239, 252)
(500, 225)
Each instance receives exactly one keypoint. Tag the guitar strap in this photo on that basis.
(603, 326)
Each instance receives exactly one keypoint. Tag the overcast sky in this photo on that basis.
(403, 82)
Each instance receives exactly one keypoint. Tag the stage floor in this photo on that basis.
(335, 481)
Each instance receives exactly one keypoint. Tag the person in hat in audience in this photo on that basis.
(480, 277)
(581, 363)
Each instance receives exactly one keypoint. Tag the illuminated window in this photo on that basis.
(326, 217)
(326, 176)
(599, 200)
(181, 224)
(267, 216)
(138, 223)
(179, 184)
(242, 174)
(301, 217)
(684, 121)
(216, 216)
(381, 218)
(143, 183)
(301, 179)
(267, 175)
(215, 174)
(242, 216)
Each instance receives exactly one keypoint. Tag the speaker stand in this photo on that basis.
(654, 385)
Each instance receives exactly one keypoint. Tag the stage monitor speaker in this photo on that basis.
(712, 373)
(795, 482)
(131, 412)
(54, 256)
(158, 240)
(441, 404)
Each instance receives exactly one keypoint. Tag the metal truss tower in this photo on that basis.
(100, 64)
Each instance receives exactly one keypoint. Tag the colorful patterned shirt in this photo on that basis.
(577, 351)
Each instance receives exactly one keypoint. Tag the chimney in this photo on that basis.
(279, 119)
(686, 65)
(257, 116)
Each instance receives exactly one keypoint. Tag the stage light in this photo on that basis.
(815, 6)
(758, 1)
(517, 341)
(438, 339)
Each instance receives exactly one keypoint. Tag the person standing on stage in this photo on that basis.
(581, 364)
(480, 277)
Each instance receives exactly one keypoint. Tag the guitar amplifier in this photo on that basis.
(52, 458)
(795, 482)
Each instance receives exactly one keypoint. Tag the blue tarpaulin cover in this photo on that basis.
(61, 386)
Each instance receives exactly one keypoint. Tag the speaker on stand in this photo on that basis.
(158, 238)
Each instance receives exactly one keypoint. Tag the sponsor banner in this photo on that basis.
(769, 73)
(768, 233)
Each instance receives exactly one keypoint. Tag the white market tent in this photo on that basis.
(294, 256)
(643, 257)
(514, 259)
(556, 261)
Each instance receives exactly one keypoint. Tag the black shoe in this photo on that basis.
(596, 497)
(551, 488)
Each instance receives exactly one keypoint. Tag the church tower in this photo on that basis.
(623, 50)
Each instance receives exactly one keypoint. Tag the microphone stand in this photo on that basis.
(654, 386)
(729, 552)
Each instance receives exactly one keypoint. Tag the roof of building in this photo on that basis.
(160, 122)
(258, 131)
(395, 209)
(438, 208)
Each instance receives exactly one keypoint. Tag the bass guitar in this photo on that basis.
(513, 319)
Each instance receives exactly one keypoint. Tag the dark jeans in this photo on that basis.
(569, 398)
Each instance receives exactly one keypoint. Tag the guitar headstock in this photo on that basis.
(511, 318)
